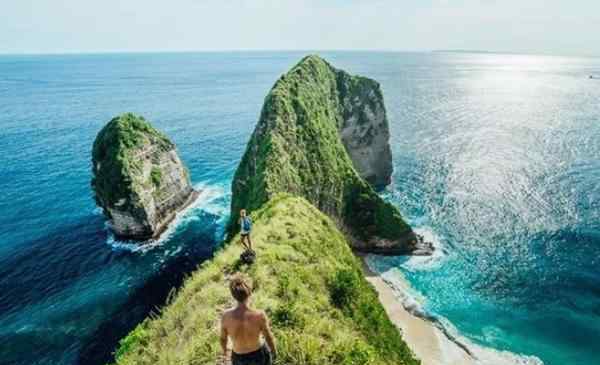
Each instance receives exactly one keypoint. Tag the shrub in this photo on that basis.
(156, 176)
(343, 287)
(135, 338)
(285, 316)
(360, 354)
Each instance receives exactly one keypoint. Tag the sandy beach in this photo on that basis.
(428, 342)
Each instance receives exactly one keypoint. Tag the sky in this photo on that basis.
(558, 27)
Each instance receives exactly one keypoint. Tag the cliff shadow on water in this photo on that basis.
(148, 299)
(74, 272)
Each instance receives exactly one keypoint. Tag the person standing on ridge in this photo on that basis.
(245, 228)
(244, 326)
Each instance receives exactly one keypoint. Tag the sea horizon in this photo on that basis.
(496, 157)
(304, 51)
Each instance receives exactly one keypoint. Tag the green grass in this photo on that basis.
(308, 281)
(156, 176)
(296, 148)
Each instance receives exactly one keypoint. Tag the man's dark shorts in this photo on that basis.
(262, 356)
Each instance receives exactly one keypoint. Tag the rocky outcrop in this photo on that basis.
(319, 131)
(138, 178)
(365, 129)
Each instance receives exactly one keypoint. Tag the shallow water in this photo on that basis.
(495, 155)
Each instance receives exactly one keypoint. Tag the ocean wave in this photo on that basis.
(414, 303)
(431, 262)
(212, 199)
(410, 299)
(481, 355)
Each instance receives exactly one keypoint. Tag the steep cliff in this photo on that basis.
(365, 129)
(320, 129)
(138, 178)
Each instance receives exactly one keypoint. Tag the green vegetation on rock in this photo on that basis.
(115, 157)
(306, 278)
(296, 148)
(156, 176)
(138, 178)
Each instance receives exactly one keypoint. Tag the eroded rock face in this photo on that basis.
(320, 132)
(365, 129)
(138, 178)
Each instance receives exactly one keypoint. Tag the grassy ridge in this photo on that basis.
(306, 278)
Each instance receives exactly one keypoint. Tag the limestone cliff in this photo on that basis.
(320, 129)
(138, 178)
(365, 129)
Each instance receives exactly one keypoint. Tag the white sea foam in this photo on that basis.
(410, 299)
(211, 200)
(483, 355)
(451, 341)
(432, 262)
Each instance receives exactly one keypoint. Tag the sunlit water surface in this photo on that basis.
(496, 159)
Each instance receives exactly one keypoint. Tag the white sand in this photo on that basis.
(428, 342)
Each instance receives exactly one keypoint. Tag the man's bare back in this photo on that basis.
(244, 326)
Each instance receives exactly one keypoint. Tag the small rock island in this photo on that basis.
(138, 178)
(323, 135)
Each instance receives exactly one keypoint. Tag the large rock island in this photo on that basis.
(322, 135)
(138, 178)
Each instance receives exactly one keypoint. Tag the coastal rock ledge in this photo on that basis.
(138, 178)
(323, 135)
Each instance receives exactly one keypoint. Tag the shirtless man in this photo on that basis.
(244, 326)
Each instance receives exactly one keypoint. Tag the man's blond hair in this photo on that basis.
(240, 288)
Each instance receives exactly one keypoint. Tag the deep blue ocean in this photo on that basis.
(497, 159)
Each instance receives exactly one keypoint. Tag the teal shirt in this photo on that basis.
(242, 225)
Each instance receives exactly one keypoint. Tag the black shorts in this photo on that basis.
(245, 234)
(262, 356)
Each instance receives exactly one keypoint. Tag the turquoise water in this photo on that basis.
(495, 155)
